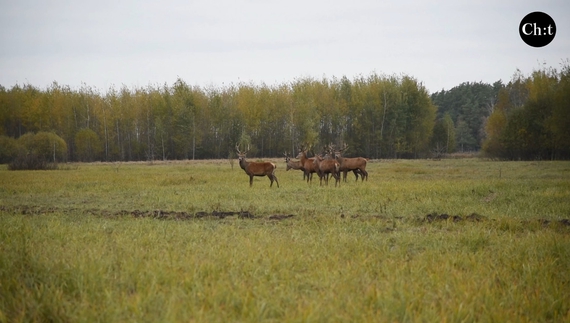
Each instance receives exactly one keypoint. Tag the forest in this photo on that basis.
(377, 116)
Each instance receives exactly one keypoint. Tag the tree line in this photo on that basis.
(378, 116)
(525, 119)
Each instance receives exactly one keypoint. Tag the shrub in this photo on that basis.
(38, 151)
(44, 145)
(8, 149)
(31, 161)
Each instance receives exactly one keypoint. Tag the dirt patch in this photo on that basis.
(563, 222)
(155, 214)
(473, 217)
(181, 215)
(280, 216)
(244, 214)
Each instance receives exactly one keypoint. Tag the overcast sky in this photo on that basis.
(111, 43)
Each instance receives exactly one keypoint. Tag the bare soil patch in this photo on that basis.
(473, 217)
(244, 214)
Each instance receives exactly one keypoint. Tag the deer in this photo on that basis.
(357, 165)
(329, 152)
(297, 165)
(327, 166)
(308, 164)
(256, 168)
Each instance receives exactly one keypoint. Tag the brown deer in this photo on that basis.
(296, 165)
(329, 153)
(325, 167)
(357, 165)
(256, 168)
(308, 165)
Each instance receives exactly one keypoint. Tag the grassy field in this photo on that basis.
(420, 241)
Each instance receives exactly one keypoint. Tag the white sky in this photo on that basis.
(111, 43)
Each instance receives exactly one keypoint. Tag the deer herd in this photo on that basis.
(329, 163)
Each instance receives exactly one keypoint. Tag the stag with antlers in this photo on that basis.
(308, 164)
(357, 165)
(325, 167)
(256, 168)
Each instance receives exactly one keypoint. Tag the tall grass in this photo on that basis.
(361, 252)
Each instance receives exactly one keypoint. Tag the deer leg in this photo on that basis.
(364, 174)
(250, 180)
(276, 181)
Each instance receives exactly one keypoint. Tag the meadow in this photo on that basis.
(190, 241)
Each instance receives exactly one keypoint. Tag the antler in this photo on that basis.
(331, 149)
(239, 152)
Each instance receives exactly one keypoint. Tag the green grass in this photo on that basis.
(71, 252)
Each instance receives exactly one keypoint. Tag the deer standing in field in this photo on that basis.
(357, 165)
(331, 153)
(308, 164)
(256, 168)
(327, 166)
(296, 165)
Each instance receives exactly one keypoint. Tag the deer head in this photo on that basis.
(241, 155)
(339, 152)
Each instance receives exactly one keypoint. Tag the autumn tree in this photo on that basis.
(493, 145)
(8, 149)
(443, 139)
(89, 146)
(559, 121)
(531, 117)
